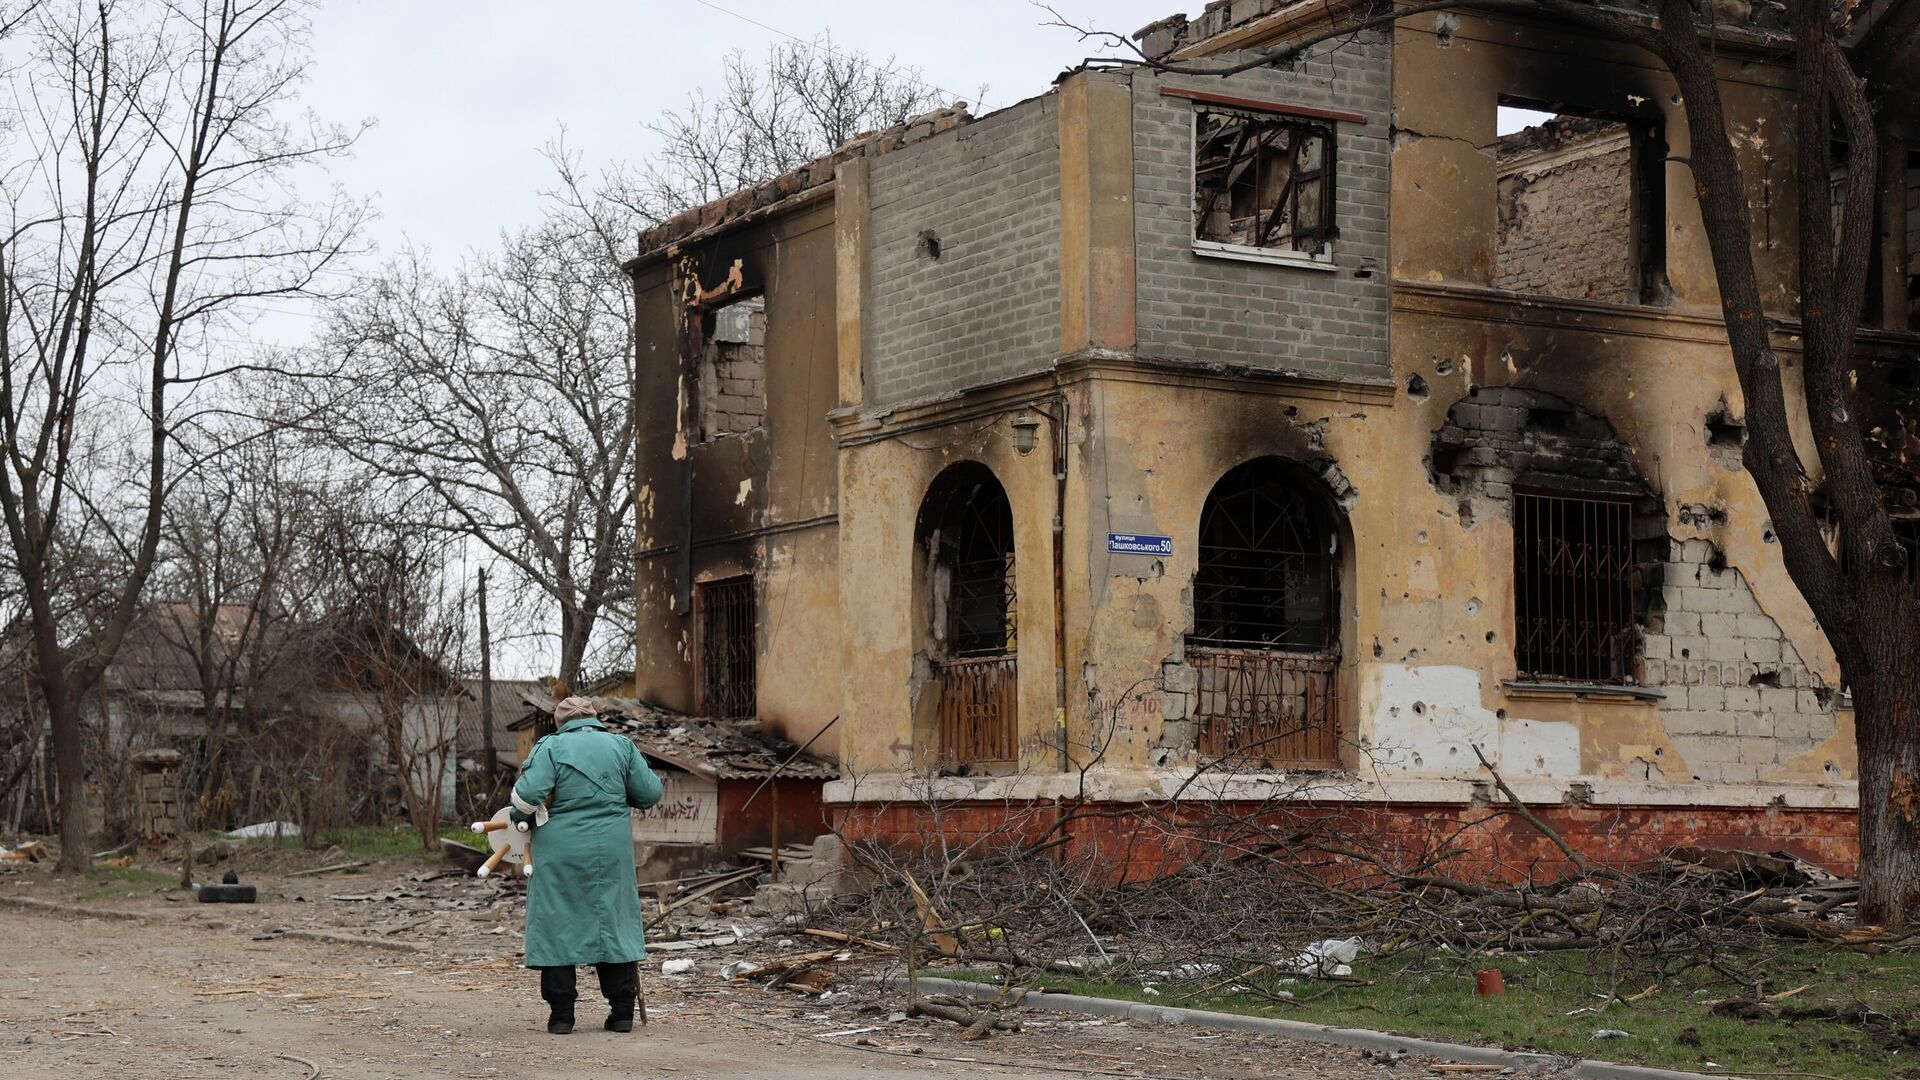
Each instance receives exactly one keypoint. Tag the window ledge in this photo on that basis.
(1583, 691)
(1213, 249)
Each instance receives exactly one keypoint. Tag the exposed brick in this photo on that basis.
(1565, 213)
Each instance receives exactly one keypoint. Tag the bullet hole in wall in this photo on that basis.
(928, 246)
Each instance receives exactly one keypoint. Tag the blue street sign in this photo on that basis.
(1138, 544)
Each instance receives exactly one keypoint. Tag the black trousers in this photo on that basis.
(620, 983)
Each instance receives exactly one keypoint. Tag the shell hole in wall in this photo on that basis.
(1573, 193)
(928, 246)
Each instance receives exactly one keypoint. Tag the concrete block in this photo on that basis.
(1726, 649)
(1173, 706)
(1718, 625)
(1683, 623)
(1780, 699)
(1690, 648)
(1758, 751)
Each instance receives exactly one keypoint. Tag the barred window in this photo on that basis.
(728, 647)
(1573, 587)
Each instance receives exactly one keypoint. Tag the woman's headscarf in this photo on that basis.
(574, 708)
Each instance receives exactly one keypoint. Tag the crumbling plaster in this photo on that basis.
(762, 501)
(1426, 604)
(883, 483)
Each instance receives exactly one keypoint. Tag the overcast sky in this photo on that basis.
(465, 92)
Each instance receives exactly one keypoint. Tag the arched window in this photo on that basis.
(966, 533)
(1265, 641)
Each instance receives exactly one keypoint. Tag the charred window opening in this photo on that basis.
(1581, 206)
(1263, 183)
(733, 370)
(729, 651)
(1574, 586)
(1912, 239)
(1265, 641)
(966, 527)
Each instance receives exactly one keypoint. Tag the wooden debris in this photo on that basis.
(330, 869)
(865, 943)
(705, 890)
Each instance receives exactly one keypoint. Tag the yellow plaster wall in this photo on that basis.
(882, 486)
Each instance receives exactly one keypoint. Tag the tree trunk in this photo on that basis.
(1886, 688)
(69, 762)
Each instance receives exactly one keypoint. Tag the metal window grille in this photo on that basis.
(1263, 181)
(1275, 709)
(1265, 648)
(1266, 574)
(978, 706)
(728, 649)
(978, 703)
(981, 617)
(1573, 587)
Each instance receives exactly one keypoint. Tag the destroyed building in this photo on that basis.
(1297, 422)
(727, 786)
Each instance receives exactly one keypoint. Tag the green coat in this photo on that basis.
(583, 906)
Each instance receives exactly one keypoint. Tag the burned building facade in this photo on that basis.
(1295, 430)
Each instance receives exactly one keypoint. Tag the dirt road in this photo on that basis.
(200, 997)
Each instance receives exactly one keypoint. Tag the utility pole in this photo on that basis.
(486, 684)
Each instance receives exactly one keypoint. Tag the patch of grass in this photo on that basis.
(115, 881)
(360, 842)
(1431, 995)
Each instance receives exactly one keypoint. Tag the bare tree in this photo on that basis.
(501, 394)
(1862, 592)
(806, 99)
(146, 203)
(235, 572)
(386, 636)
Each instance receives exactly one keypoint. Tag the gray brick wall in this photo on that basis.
(1214, 310)
(1739, 700)
(989, 306)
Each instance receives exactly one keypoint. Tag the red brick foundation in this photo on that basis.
(1134, 841)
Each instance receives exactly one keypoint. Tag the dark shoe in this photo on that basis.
(621, 1018)
(559, 1027)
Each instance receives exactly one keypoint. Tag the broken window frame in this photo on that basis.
(726, 619)
(1591, 596)
(707, 365)
(1321, 238)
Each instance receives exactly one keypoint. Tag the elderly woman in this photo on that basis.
(583, 907)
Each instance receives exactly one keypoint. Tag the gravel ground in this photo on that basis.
(395, 972)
